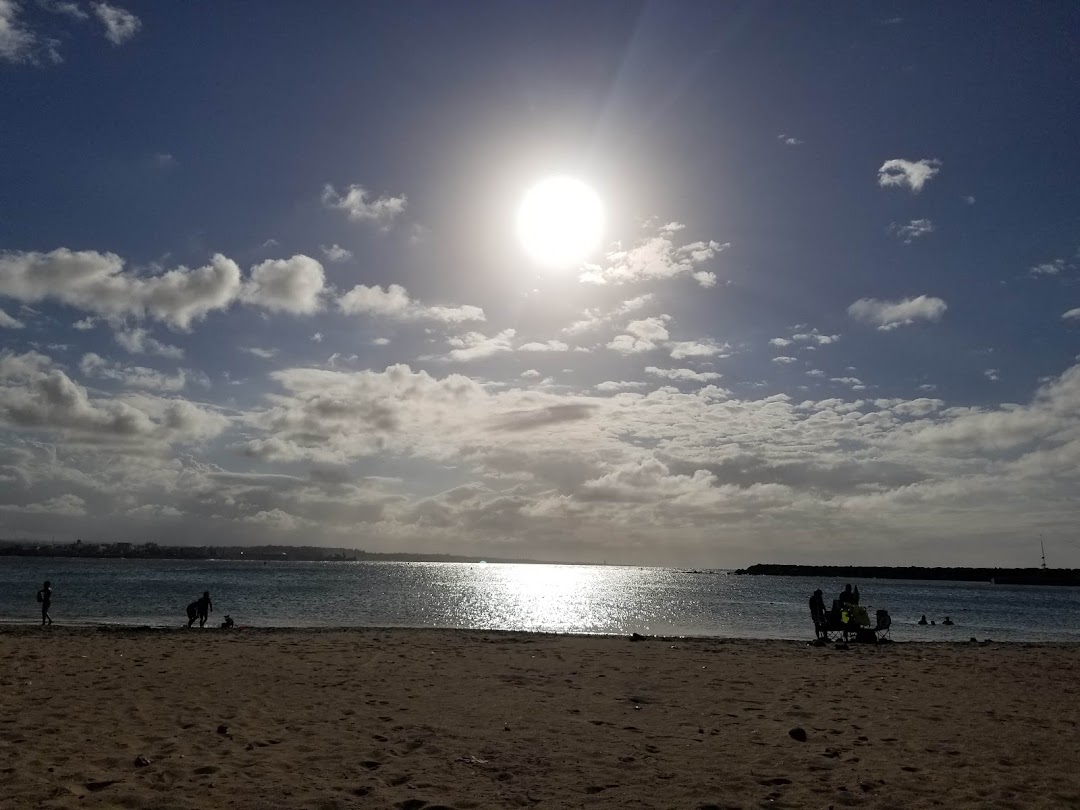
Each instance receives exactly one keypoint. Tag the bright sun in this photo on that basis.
(560, 221)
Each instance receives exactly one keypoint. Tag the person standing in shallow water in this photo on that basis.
(44, 596)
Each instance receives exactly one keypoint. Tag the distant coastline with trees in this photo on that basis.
(999, 576)
(268, 553)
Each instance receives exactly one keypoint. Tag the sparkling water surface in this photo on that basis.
(546, 598)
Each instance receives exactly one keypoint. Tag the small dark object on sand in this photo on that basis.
(798, 734)
(141, 761)
(637, 637)
(222, 729)
(841, 647)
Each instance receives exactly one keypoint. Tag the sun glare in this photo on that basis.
(560, 221)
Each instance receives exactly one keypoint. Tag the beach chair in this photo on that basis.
(881, 628)
(831, 627)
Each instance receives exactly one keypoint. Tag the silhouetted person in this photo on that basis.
(192, 612)
(227, 623)
(855, 595)
(44, 596)
(947, 620)
(817, 613)
(933, 623)
(847, 597)
(205, 608)
(923, 620)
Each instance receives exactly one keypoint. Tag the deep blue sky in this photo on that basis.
(935, 421)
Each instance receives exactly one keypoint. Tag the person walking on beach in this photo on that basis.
(44, 596)
(204, 607)
(192, 612)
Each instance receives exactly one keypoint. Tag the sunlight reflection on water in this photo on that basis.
(549, 598)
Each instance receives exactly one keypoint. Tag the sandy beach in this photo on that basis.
(433, 719)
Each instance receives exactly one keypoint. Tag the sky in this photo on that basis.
(262, 279)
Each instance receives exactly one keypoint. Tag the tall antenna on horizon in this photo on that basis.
(1043, 549)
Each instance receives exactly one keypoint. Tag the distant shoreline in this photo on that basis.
(268, 553)
(999, 576)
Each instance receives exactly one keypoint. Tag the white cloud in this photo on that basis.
(35, 395)
(265, 354)
(655, 258)
(1072, 314)
(317, 337)
(97, 283)
(61, 505)
(814, 336)
(854, 383)
(18, 43)
(93, 365)
(8, 322)
(706, 278)
(779, 342)
(138, 341)
(912, 231)
(642, 335)
(120, 25)
(286, 285)
(888, 315)
(67, 9)
(672, 227)
(681, 349)
(475, 346)
(1050, 268)
(682, 374)
(548, 346)
(914, 175)
(815, 372)
(969, 199)
(992, 374)
(381, 211)
(394, 302)
(788, 140)
(594, 318)
(649, 328)
(84, 324)
(336, 253)
(530, 374)
(627, 344)
(783, 360)
(611, 386)
(276, 519)
(381, 342)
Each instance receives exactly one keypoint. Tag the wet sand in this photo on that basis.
(431, 719)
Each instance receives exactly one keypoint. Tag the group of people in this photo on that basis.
(846, 615)
(922, 622)
(848, 597)
(199, 610)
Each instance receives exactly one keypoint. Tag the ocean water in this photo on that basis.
(546, 598)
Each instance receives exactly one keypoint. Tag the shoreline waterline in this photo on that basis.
(23, 629)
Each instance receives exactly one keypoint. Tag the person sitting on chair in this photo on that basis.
(847, 596)
(923, 620)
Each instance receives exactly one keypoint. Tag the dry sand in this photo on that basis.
(434, 718)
